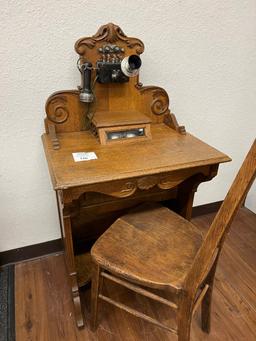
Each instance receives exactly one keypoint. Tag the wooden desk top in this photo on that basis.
(167, 151)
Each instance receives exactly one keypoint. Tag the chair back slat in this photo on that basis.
(222, 221)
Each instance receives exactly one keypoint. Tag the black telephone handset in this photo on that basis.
(111, 68)
(86, 94)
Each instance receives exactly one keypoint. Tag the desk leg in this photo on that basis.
(185, 197)
(187, 189)
(70, 263)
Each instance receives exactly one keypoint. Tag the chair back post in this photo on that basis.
(214, 238)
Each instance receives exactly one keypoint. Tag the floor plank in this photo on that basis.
(44, 309)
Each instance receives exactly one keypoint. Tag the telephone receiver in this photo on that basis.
(108, 71)
(86, 94)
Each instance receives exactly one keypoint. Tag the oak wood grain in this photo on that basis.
(144, 250)
(167, 151)
(117, 118)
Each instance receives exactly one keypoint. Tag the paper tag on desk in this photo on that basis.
(84, 156)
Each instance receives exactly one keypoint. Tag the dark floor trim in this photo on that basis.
(7, 303)
(212, 207)
(52, 246)
(31, 251)
(11, 309)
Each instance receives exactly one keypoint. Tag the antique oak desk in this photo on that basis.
(161, 163)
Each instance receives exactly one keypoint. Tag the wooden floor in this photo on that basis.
(44, 310)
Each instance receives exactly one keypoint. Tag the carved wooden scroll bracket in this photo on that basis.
(52, 132)
(204, 177)
(158, 101)
(171, 121)
(65, 113)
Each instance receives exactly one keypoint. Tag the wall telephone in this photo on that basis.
(110, 68)
(109, 104)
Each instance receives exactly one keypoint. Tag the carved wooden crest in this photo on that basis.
(109, 33)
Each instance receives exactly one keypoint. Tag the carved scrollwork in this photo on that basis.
(160, 103)
(166, 183)
(147, 182)
(127, 189)
(110, 33)
(56, 109)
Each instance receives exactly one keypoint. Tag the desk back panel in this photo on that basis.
(65, 112)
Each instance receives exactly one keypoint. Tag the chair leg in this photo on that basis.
(184, 320)
(207, 302)
(206, 310)
(95, 288)
(184, 329)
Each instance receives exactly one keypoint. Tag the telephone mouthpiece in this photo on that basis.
(130, 65)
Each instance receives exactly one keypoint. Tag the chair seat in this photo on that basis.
(151, 246)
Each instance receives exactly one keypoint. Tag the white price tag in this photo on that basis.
(84, 156)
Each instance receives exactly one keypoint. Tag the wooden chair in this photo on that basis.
(153, 247)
